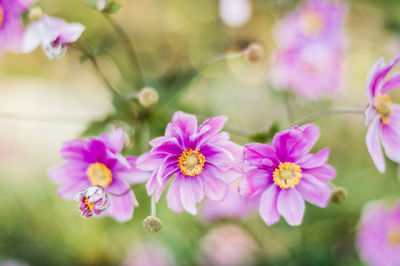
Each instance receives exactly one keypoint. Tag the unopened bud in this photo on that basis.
(93, 201)
(152, 224)
(35, 14)
(148, 97)
(338, 195)
(101, 5)
(253, 53)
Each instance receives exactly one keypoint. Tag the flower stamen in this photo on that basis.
(99, 175)
(383, 105)
(394, 237)
(88, 204)
(288, 175)
(191, 162)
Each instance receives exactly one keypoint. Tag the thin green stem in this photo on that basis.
(153, 205)
(130, 49)
(288, 109)
(326, 112)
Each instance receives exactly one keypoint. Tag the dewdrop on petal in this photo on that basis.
(152, 224)
(35, 14)
(93, 201)
(148, 97)
(253, 53)
(338, 195)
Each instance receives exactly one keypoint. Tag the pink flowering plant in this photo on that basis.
(188, 130)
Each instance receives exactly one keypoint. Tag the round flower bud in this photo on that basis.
(148, 97)
(35, 14)
(152, 224)
(253, 53)
(93, 201)
(338, 195)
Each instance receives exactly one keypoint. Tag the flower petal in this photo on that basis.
(174, 195)
(258, 154)
(121, 208)
(150, 161)
(374, 146)
(74, 150)
(114, 141)
(284, 142)
(291, 206)
(254, 182)
(214, 188)
(191, 191)
(268, 205)
(323, 173)
(72, 187)
(67, 171)
(133, 175)
(314, 160)
(314, 191)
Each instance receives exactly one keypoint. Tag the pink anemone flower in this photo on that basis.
(202, 158)
(98, 162)
(286, 174)
(382, 116)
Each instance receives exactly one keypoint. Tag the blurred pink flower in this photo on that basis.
(149, 254)
(98, 162)
(314, 21)
(11, 28)
(378, 240)
(202, 158)
(228, 245)
(232, 206)
(382, 116)
(310, 44)
(313, 71)
(53, 34)
(93, 201)
(286, 174)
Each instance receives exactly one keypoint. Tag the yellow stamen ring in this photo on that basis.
(383, 105)
(99, 175)
(89, 205)
(191, 162)
(288, 175)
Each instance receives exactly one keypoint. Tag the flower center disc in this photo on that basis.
(311, 23)
(191, 162)
(383, 105)
(394, 237)
(1, 15)
(287, 175)
(99, 175)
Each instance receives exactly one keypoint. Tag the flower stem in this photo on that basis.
(153, 205)
(326, 112)
(130, 49)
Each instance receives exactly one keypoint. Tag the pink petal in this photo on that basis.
(150, 161)
(170, 146)
(258, 154)
(174, 196)
(133, 175)
(115, 141)
(391, 142)
(209, 128)
(323, 173)
(314, 160)
(72, 187)
(392, 83)
(268, 205)
(121, 208)
(67, 171)
(214, 188)
(71, 32)
(191, 191)
(311, 134)
(284, 142)
(74, 150)
(291, 206)
(254, 182)
(314, 191)
(374, 146)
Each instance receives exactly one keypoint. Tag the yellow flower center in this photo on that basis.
(394, 236)
(191, 162)
(383, 105)
(287, 175)
(99, 175)
(1, 15)
(89, 205)
(311, 23)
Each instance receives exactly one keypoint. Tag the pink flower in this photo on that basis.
(232, 206)
(93, 201)
(149, 254)
(382, 116)
(11, 29)
(98, 162)
(378, 240)
(313, 71)
(314, 21)
(53, 34)
(201, 158)
(286, 174)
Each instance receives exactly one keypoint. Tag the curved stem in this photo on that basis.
(326, 112)
(130, 49)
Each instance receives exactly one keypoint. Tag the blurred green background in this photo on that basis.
(44, 103)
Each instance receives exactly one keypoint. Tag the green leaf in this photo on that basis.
(83, 59)
(265, 136)
(112, 8)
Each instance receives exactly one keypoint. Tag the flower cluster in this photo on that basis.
(310, 44)
(53, 34)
